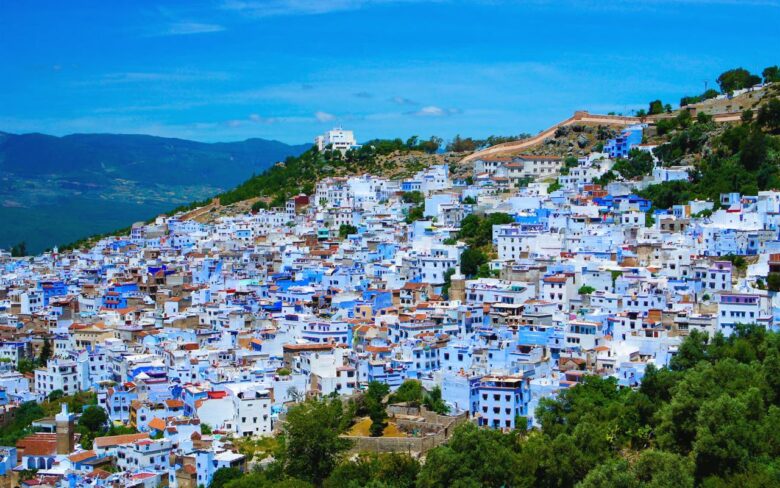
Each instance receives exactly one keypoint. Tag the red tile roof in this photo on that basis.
(116, 440)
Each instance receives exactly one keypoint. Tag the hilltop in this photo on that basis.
(686, 135)
(56, 189)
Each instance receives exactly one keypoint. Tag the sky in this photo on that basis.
(229, 70)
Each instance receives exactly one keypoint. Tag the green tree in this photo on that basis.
(223, 476)
(773, 282)
(261, 479)
(736, 79)
(45, 352)
(729, 433)
(769, 116)
(415, 214)
(387, 469)
(311, 440)
(346, 229)
(259, 205)
(771, 74)
(373, 402)
(652, 469)
(434, 402)
(477, 230)
(460, 144)
(445, 289)
(93, 418)
(409, 391)
(414, 197)
(471, 260)
(55, 395)
(656, 107)
(19, 250)
(472, 457)
(586, 290)
(639, 163)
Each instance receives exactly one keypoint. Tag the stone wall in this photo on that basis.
(436, 429)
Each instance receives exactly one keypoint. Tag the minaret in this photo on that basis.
(458, 287)
(66, 442)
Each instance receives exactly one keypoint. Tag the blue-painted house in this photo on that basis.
(620, 146)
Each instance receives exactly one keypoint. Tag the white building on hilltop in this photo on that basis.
(336, 139)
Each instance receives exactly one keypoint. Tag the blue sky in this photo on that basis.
(289, 69)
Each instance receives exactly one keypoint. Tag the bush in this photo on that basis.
(586, 290)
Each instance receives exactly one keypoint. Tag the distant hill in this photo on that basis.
(58, 189)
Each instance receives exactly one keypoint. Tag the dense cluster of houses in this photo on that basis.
(228, 323)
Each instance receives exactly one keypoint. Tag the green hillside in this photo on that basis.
(58, 189)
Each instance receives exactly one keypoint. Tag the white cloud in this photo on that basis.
(324, 116)
(403, 101)
(270, 8)
(172, 76)
(434, 111)
(186, 28)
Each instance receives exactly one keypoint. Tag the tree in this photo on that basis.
(652, 469)
(769, 116)
(753, 151)
(445, 289)
(312, 445)
(415, 214)
(94, 418)
(471, 260)
(223, 476)
(586, 290)
(639, 163)
(736, 79)
(19, 250)
(205, 429)
(690, 352)
(415, 197)
(45, 352)
(430, 146)
(728, 433)
(434, 402)
(347, 229)
(656, 107)
(396, 470)
(459, 144)
(259, 205)
(472, 457)
(373, 402)
(410, 391)
(477, 230)
(771, 74)
(26, 365)
(266, 479)
(55, 395)
(773, 282)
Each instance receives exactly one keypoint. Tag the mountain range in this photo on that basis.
(55, 190)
